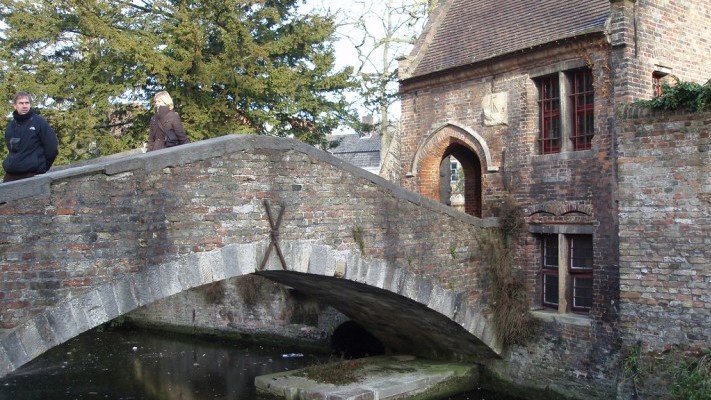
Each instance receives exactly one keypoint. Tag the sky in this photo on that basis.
(373, 13)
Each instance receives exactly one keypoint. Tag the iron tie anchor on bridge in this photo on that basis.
(274, 242)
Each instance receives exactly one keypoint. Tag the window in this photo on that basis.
(453, 171)
(657, 84)
(583, 118)
(550, 270)
(566, 111)
(549, 105)
(580, 268)
(658, 79)
(567, 276)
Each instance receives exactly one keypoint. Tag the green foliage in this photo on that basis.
(631, 364)
(692, 379)
(231, 66)
(358, 238)
(682, 96)
(676, 372)
(117, 322)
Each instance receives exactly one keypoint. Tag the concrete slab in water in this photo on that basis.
(380, 378)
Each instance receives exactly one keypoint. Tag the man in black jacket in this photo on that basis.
(31, 142)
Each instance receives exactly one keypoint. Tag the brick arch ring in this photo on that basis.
(443, 136)
(104, 302)
(559, 208)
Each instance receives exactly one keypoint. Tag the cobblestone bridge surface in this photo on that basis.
(80, 246)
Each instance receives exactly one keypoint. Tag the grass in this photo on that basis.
(676, 373)
(341, 372)
(692, 378)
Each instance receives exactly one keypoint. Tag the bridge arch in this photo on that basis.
(406, 302)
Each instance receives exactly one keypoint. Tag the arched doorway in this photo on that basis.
(435, 163)
(460, 180)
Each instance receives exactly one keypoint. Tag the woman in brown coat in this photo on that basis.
(163, 121)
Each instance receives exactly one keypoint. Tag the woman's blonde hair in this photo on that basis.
(162, 98)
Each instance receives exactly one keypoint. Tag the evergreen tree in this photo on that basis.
(231, 66)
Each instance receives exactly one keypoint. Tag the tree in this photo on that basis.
(231, 66)
(382, 42)
(380, 31)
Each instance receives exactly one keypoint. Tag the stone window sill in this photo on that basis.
(568, 319)
(564, 155)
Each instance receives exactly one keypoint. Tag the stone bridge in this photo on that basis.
(82, 245)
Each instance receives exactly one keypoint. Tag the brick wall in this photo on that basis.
(665, 227)
(649, 35)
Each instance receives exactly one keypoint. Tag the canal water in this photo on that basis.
(147, 365)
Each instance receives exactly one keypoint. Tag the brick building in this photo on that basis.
(526, 96)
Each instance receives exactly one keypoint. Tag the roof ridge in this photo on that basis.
(408, 64)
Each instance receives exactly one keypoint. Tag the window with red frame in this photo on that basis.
(580, 248)
(549, 107)
(550, 271)
(582, 97)
(578, 265)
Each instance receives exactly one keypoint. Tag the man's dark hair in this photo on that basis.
(20, 95)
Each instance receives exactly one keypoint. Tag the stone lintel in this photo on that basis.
(575, 229)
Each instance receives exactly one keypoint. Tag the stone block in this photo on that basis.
(108, 300)
(12, 346)
(125, 295)
(250, 256)
(319, 260)
(62, 321)
(92, 306)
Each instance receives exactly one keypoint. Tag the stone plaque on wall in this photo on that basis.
(495, 106)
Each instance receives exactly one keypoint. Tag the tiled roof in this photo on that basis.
(477, 30)
(361, 151)
(356, 143)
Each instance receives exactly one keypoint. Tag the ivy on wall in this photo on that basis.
(681, 96)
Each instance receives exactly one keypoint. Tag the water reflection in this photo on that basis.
(124, 364)
(147, 365)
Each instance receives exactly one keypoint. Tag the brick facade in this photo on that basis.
(571, 189)
(578, 192)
